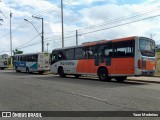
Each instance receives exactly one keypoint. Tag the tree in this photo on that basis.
(16, 51)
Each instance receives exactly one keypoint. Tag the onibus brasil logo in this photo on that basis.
(21, 114)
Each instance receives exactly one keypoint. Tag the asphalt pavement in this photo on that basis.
(35, 92)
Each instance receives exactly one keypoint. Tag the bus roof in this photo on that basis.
(29, 54)
(100, 42)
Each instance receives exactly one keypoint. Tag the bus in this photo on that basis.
(118, 59)
(34, 62)
(3, 61)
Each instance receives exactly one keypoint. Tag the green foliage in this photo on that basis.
(158, 50)
(9, 60)
(158, 63)
(16, 51)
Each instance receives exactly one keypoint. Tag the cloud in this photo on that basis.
(79, 14)
(109, 12)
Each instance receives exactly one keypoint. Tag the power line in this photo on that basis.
(4, 35)
(59, 38)
(120, 24)
(27, 42)
(104, 28)
(44, 41)
(3, 14)
(92, 31)
(4, 51)
(30, 45)
(123, 18)
(50, 9)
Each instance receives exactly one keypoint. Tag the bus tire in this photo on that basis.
(27, 71)
(103, 74)
(16, 69)
(121, 79)
(77, 76)
(41, 72)
(61, 72)
(2, 68)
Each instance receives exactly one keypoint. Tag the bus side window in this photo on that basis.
(35, 58)
(108, 52)
(70, 54)
(124, 49)
(61, 55)
(54, 57)
(91, 52)
(20, 58)
(79, 53)
(102, 51)
(29, 58)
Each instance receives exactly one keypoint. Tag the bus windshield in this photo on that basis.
(147, 47)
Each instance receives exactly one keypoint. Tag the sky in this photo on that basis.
(93, 19)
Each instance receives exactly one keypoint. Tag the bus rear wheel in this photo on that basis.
(103, 74)
(61, 72)
(17, 69)
(121, 79)
(77, 76)
(41, 72)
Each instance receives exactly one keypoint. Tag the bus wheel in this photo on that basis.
(61, 72)
(16, 69)
(2, 68)
(103, 74)
(27, 71)
(41, 72)
(77, 76)
(121, 79)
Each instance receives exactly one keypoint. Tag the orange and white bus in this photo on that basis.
(119, 58)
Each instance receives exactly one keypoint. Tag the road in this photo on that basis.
(34, 92)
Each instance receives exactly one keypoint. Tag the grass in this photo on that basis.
(158, 64)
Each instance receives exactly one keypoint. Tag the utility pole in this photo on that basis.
(42, 36)
(62, 23)
(42, 31)
(11, 35)
(11, 32)
(76, 37)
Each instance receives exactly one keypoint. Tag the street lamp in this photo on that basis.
(11, 35)
(47, 46)
(38, 33)
(33, 26)
(42, 31)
